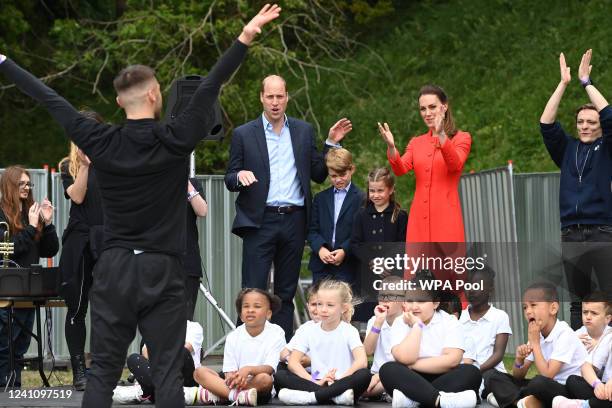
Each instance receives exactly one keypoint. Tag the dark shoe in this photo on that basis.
(79, 380)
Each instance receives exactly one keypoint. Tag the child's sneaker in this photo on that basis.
(463, 399)
(199, 396)
(294, 397)
(246, 397)
(131, 394)
(562, 402)
(346, 398)
(402, 401)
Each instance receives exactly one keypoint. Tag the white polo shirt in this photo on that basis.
(480, 334)
(242, 349)
(583, 330)
(328, 349)
(443, 331)
(382, 354)
(195, 336)
(291, 345)
(563, 345)
(601, 356)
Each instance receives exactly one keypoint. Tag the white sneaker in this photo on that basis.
(294, 397)
(491, 400)
(346, 398)
(401, 401)
(130, 394)
(561, 402)
(199, 396)
(246, 397)
(463, 399)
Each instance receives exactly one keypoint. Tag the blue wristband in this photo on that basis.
(375, 330)
(519, 365)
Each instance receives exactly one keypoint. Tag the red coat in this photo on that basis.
(435, 214)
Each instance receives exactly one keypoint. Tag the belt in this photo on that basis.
(287, 209)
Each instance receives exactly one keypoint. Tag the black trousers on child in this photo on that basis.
(577, 387)
(358, 381)
(144, 291)
(508, 390)
(141, 368)
(425, 388)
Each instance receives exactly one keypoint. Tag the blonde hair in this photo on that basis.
(339, 160)
(72, 161)
(383, 174)
(344, 291)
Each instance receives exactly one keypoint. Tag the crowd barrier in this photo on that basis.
(498, 207)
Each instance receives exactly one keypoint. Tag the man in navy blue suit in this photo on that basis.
(331, 223)
(272, 160)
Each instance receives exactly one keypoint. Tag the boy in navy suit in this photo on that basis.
(331, 224)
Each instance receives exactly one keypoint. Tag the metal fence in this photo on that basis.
(498, 207)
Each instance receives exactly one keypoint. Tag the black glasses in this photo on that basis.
(26, 184)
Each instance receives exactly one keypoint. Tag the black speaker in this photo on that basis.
(180, 94)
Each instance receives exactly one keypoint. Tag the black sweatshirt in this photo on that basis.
(141, 165)
(28, 251)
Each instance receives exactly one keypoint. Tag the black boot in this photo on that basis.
(79, 381)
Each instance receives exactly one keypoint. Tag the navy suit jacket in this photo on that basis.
(249, 151)
(321, 227)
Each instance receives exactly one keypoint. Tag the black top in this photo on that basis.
(27, 249)
(89, 212)
(192, 261)
(140, 164)
(370, 225)
(585, 196)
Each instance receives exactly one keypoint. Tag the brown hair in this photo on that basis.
(588, 106)
(383, 174)
(10, 201)
(449, 122)
(131, 76)
(72, 161)
(339, 160)
(599, 296)
(273, 301)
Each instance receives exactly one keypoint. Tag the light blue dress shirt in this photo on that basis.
(285, 188)
(339, 196)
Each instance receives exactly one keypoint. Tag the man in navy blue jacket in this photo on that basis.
(331, 224)
(585, 194)
(272, 160)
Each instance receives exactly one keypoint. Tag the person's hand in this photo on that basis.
(584, 70)
(410, 319)
(229, 377)
(83, 159)
(339, 130)
(253, 27)
(46, 209)
(240, 379)
(330, 377)
(565, 70)
(338, 256)
(522, 352)
(608, 390)
(588, 342)
(533, 332)
(380, 313)
(600, 391)
(439, 124)
(373, 382)
(386, 134)
(34, 214)
(246, 177)
(325, 255)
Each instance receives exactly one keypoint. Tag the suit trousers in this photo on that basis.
(279, 241)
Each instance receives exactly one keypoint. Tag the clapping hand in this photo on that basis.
(34, 214)
(339, 130)
(565, 70)
(253, 27)
(584, 70)
(46, 210)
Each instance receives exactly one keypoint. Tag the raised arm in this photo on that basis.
(400, 164)
(550, 111)
(197, 118)
(77, 127)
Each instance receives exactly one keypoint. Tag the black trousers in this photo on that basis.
(141, 368)
(578, 388)
(586, 248)
(192, 287)
(144, 291)
(508, 390)
(279, 241)
(358, 381)
(425, 388)
(76, 295)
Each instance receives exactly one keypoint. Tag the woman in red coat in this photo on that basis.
(437, 158)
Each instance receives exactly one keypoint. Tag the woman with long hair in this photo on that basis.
(34, 236)
(81, 244)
